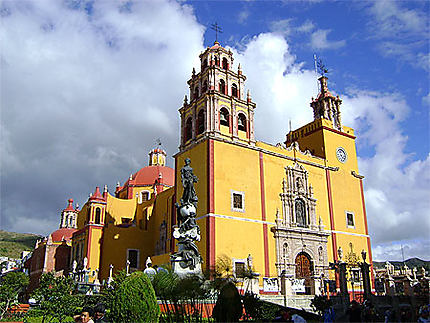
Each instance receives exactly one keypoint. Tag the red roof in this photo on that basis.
(149, 174)
(63, 233)
(97, 196)
(70, 206)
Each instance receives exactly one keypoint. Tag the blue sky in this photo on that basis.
(87, 88)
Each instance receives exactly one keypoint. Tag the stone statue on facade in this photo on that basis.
(187, 232)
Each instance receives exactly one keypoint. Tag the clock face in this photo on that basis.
(341, 155)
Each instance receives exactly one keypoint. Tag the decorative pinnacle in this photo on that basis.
(248, 96)
(105, 189)
(118, 184)
(194, 71)
(185, 100)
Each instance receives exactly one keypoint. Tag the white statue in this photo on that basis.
(149, 270)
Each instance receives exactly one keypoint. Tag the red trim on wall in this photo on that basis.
(333, 235)
(230, 128)
(369, 249)
(247, 128)
(173, 215)
(210, 221)
(330, 208)
(89, 243)
(263, 218)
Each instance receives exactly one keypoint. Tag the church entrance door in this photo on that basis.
(304, 270)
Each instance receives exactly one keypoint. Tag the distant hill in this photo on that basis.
(12, 243)
(411, 263)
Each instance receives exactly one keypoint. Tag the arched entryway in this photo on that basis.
(305, 270)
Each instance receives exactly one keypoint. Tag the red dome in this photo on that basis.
(66, 233)
(149, 174)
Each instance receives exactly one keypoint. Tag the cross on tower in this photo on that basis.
(217, 29)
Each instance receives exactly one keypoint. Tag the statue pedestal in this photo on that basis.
(182, 272)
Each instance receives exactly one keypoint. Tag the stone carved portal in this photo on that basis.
(301, 244)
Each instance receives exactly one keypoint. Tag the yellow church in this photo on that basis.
(284, 210)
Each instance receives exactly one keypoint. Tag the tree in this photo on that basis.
(55, 298)
(134, 300)
(12, 284)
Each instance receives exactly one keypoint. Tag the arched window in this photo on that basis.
(145, 196)
(216, 61)
(224, 117)
(196, 93)
(98, 215)
(222, 86)
(188, 129)
(300, 213)
(204, 87)
(88, 215)
(201, 122)
(241, 122)
(225, 63)
(234, 91)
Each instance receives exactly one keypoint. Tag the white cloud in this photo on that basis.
(319, 40)
(402, 32)
(85, 96)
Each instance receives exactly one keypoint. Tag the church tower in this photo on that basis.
(218, 106)
(68, 216)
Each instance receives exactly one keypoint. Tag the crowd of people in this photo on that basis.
(92, 315)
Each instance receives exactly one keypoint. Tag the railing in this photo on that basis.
(294, 301)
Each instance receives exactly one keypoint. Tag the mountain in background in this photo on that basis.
(411, 263)
(12, 243)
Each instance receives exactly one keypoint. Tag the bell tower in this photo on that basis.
(217, 105)
(327, 106)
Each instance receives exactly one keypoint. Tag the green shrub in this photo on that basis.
(134, 300)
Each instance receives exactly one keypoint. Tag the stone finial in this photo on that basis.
(239, 69)
(105, 190)
(194, 71)
(248, 96)
(131, 177)
(118, 184)
(185, 100)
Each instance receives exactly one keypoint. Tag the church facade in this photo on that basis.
(292, 208)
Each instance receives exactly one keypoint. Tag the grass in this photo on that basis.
(12, 243)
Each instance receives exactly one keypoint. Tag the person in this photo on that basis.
(296, 318)
(354, 312)
(284, 316)
(424, 314)
(99, 313)
(85, 316)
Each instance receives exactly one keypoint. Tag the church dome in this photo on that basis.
(63, 233)
(149, 174)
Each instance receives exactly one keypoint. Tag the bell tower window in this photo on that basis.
(241, 122)
(222, 86)
(188, 129)
(234, 91)
(216, 61)
(196, 93)
(201, 122)
(224, 63)
(98, 216)
(224, 117)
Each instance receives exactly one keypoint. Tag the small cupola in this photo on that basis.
(326, 105)
(157, 157)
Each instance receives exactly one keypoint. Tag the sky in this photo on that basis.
(87, 88)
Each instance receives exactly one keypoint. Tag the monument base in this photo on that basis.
(182, 272)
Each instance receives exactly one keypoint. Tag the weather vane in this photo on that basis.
(322, 69)
(217, 29)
